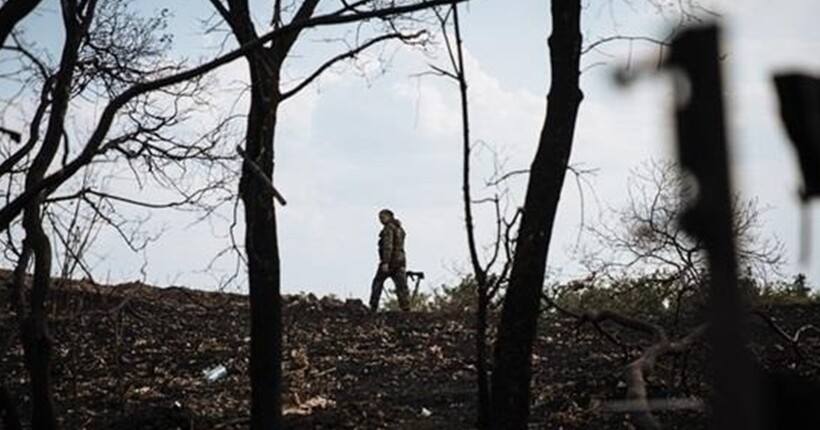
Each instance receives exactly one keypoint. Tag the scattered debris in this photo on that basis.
(307, 407)
(213, 374)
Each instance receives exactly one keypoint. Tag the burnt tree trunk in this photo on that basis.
(261, 244)
(37, 342)
(513, 349)
(482, 287)
(261, 241)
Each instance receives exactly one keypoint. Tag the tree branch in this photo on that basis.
(260, 174)
(9, 212)
(11, 13)
(603, 41)
(349, 54)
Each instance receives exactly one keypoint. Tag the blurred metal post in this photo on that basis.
(702, 150)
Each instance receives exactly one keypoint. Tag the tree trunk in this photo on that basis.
(516, 331)
(262, 249)
(484, 404)
(261, 241)
(482, 287)
(37, 343)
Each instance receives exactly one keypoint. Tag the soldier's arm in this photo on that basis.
(386, 245)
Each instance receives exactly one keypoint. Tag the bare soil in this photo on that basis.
(132, 356)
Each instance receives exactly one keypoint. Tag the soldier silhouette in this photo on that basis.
(392, 261)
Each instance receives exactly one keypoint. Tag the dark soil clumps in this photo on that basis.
(132, 357)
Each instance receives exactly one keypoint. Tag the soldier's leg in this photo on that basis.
(376, 289)
(399, 277)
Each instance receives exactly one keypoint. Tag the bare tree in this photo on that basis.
(645, 238)
(36, 339)
(256, 188)
(486, 284)
(106, 48)
(513, 347)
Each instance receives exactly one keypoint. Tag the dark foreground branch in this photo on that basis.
(638, 370)
(793, 340)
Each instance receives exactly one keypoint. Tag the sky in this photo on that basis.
(380, 133)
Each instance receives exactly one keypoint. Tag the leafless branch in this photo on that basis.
(261, 176)
(645, 240)
(441, 72)
(93, 145)
(505, 176)
(606, 40)
(349, 54)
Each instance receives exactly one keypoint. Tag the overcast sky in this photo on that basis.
(363, 138)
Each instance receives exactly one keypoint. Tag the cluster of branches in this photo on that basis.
(111, 55)
(59, 183)
(645, 240)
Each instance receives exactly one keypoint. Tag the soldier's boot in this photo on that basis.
(375, 294)
(404, 303)
(403, 295)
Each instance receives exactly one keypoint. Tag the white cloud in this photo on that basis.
(434, 107)
(501, 117)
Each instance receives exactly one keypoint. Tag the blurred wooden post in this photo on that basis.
(799, 97)
(702, 149)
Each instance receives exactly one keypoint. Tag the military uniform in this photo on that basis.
(391, 254)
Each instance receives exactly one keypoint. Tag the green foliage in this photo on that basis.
(656, 297)
(649, 296)
(419, 300)
(783, 293)
(463, 297)
(459, 298)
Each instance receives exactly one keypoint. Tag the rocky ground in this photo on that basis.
(132, 357)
